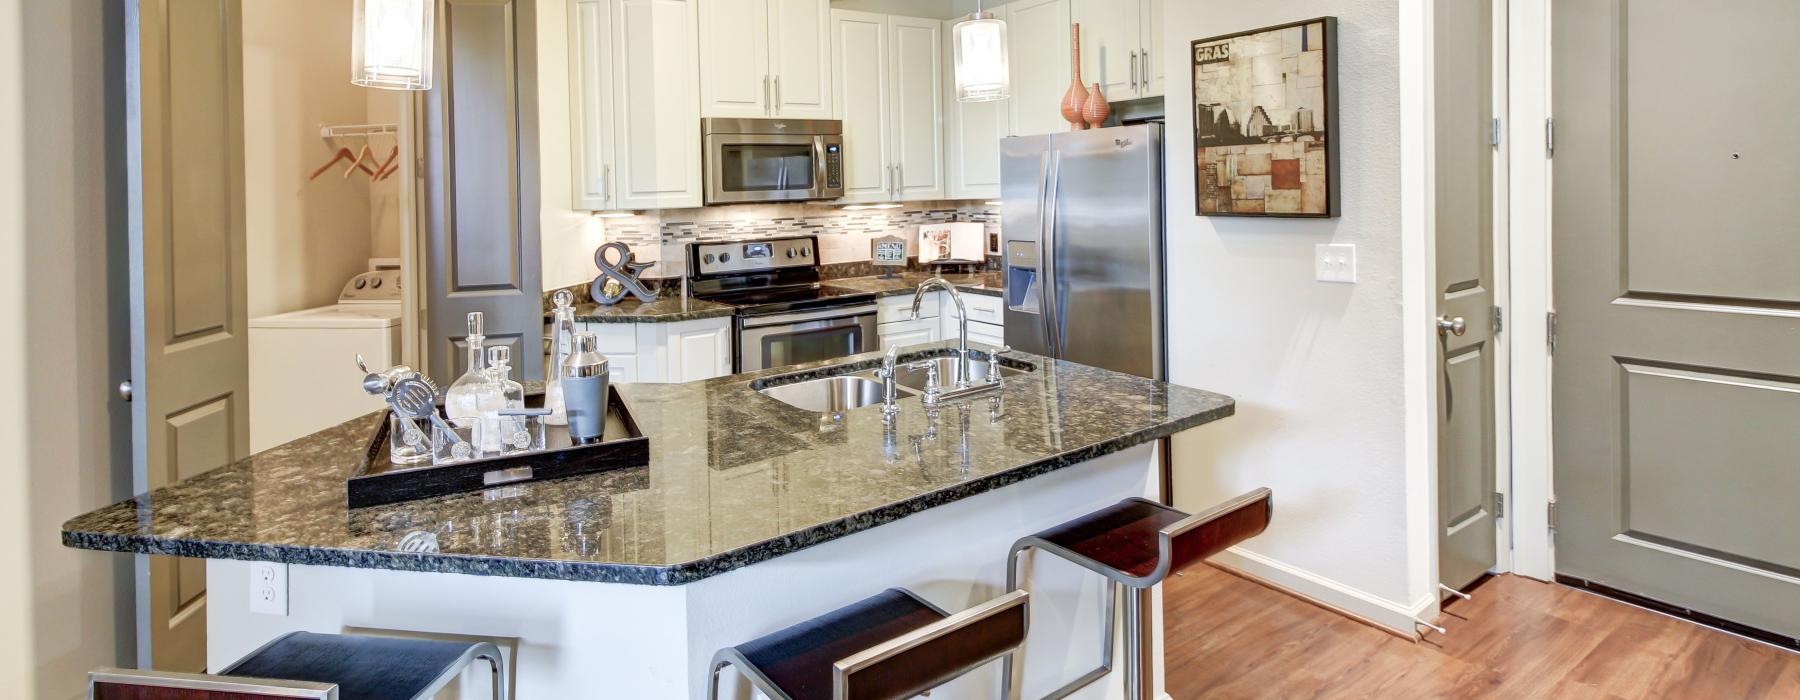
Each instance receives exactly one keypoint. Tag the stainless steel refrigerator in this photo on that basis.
(1082, 237)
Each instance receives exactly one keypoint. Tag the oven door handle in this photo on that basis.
(804, 316)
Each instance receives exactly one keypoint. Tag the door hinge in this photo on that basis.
(1499, 505)
(1494, 133)
(1550, 331)
(1550, 137)
(1499, 320)
(1552, 515)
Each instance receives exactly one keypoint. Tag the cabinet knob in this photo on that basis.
(125, 390)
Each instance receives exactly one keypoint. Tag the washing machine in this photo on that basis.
(303, 375)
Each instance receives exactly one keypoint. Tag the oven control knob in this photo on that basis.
(724, 257)
(806, 252)
(791, 252)
(708, 259)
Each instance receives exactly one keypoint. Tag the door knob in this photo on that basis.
(1448, 325)
(125, 390)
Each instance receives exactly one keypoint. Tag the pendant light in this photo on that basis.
(390, 44)
(979, 43)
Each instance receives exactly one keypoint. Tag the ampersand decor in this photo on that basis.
(623, 268)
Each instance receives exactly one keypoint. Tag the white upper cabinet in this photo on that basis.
(734, 59)
(1150, 19)
(1037, 37)
(887, 74)
(859, 49)
(918, 107)
(636, 109)
(1119, 43)
(800, 57)
(972, 133)
(1110, 49)
(765, 58)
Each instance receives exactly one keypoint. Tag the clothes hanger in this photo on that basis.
(364, 152)
(388, 167)
(341, 154)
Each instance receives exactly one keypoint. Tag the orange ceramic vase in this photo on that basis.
(1076, 97)
(1097, 108)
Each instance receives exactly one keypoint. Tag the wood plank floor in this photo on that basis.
(1228, 637)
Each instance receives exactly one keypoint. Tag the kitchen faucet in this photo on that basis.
(962, 325)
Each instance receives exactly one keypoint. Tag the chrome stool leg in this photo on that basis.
(1139, 628)
(1108, 621)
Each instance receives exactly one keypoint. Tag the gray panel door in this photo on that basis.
(481, 186)
(1464, 189)
(1677, 366)
(190, 410)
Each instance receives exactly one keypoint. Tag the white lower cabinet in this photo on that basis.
(684, 351)
(986, 334)
(904, 333)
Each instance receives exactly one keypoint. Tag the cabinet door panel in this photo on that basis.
(1038, 54)
(1151, 36)
(1109, 45)
(859, 47)
(916, 65)
(656, 106)
(734, 58)
(800, 57)
(904, 333)
(590, 100)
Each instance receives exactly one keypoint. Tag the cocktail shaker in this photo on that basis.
(585, 379)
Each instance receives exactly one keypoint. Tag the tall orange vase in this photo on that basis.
(1076, 97)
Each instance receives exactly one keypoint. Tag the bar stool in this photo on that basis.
(1137, 543)
(890, 645)
(317, 666)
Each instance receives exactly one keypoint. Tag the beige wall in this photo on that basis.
(305, 238)
(64, 611)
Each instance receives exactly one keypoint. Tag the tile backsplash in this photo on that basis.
(844, 234)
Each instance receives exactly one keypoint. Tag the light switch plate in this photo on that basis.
(269, 588)
(1335, 262)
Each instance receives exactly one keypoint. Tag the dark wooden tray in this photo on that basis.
(378, 481)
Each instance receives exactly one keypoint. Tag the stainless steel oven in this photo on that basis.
(777, 340)
(772, 160)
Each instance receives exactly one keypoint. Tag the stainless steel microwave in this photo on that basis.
(772, 160)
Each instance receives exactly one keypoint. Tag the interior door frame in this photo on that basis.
(1528, 112)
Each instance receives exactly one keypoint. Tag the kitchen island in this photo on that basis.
(751, 516)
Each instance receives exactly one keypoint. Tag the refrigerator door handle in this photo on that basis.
(1047, 260)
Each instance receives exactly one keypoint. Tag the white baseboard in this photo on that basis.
(1325, 592)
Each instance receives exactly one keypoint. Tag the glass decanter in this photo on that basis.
(498, 433)
(463, 399)
(563, 326)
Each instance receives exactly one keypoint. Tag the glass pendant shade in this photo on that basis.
(979, 46)
(390, 44)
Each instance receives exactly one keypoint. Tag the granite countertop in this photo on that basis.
(734, 478)
(665, 309)
(984, 283)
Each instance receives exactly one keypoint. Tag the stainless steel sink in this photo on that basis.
(915, 378)
(831, 394)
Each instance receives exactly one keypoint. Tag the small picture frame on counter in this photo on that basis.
(887, 253)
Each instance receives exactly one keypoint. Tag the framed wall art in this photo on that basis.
(1265, 120)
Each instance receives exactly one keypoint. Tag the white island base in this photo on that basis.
(571, 639)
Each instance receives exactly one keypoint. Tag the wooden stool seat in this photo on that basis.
(893, 644)
(1136, 543)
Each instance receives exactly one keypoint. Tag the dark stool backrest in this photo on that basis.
(933, 655)
(124, 684)
(1205, 534)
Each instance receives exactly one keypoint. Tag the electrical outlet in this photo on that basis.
(269, 588)
(1335, 262)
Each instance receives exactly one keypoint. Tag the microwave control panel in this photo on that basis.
(834, 166)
